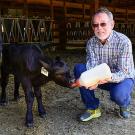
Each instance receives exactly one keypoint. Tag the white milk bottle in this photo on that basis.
(92, 76)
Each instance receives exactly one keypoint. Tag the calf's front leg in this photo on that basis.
(38, 94)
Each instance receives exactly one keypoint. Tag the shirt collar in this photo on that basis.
(110, 37)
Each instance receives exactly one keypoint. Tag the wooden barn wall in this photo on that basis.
(69, 21)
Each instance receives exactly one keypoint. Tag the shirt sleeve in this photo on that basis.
(91, 58)
(125, 63)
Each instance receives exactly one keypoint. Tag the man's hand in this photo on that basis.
(104, 81)
(93, 87)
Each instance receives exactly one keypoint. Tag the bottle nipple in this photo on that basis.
(76, 84)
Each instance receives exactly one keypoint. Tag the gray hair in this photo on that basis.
(104, 10)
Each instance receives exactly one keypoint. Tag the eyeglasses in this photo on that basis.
(97, 25)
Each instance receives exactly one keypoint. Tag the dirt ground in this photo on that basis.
(63, 106)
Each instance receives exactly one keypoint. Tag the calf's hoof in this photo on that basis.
(29, 124)
(3, 103)
(42, 115)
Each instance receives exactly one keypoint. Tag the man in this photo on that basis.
(114, 49)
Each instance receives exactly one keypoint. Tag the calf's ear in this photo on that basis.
(45, 65)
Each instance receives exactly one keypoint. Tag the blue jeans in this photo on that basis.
(120, 92)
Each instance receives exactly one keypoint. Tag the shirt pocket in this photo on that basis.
(114, 64)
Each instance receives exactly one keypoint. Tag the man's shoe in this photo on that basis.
(124, 112)
(90, 114)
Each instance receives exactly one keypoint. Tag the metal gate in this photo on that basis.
(26, 30)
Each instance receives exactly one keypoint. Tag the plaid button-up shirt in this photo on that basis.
(116, 52)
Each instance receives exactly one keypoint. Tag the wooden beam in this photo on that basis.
(45, 2)
(57, 3)
(25, 8)
(52, 10)
(74, 15)
(73, 5)
(96, 4)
